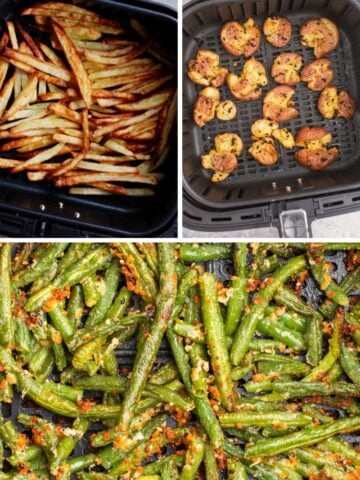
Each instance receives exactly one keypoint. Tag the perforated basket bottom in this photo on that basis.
(223, 270)
(249, 172)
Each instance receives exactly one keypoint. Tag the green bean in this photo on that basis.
(65, 391)
(164, 305)
(350, 362)
(21, 257)
(204, 253)
(23, 338)
(139, 277)
(6, 321)
(156, 467)
(41, 363)
(321, 272)
(193, 458)
(314, 338)
(331, 357)
(37, 269)
(300, 389)
(236, 470)
(75, 306)
(18, 458)
(149, 250)
(239, 296)
(73, 254)
(241, 372)
(79, 463)
(169, 472)
(340, 447)
(288, 337)
(211, 468)
(261, 300)
(46, 277)
(57, 348)
(167, 396)
(216, 341)
(111, 283)
(308, 436)
(91, 262)
(187, 330)
(90, 290)
(165, 374)
(286, 419)
(314, 456)
(287, 297)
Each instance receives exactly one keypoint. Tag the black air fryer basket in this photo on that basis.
(254, 195)
(28, 209)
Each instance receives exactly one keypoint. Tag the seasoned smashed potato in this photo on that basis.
(205, 69)
(320, 34)
(229, 142)
(248, 86)
(263, 128)
(278, 104)
(332, 104)
(285, 137)
(226, 110)
(222, 164)
(264, 151)
(285, 69)
(240, 39)
(277, 31)
(205, 105)
(315, 154)
(317, 159)
(318, 74)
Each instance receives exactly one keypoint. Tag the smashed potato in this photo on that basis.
(240, 39)
(285, 137)
(278, 104)
(317, 159)
(277, 31)
(313, 137)
(315, 154)
(318, 74)
(263, 128)
(226, 110)
(264, 151)
(248, 86)
(222, 164)
(229, 142)
(205, 105)
(205, 69)
(285, 69)
(332, 104)
(320, 34)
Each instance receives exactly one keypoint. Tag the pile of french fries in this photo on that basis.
(91, 107)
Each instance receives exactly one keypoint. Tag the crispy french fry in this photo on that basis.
(12, 34)
(135, 66)
(5, 94)
(102, 167)
(86, 190)
(167, 126)
(154, 101)
(125, 123)
(51, 55)
(110, 159)
(24, 99)
(133, 192)
(40, 65)
(47, 122)
(28, 69)
(80, 178)
(40, 157)
(36, 176)
(4, 67)
(68, 165)
(29, 41)
(65, 112)
(42, 143)
(51, 96)
(124, 79)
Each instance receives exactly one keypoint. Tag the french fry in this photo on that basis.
(23, 99)
(133, 192)
(123, 79)
(68, 165)
(60, 137)
(101, 46)
(86, 190)
(65, 112)
(14, 144)
(125, 123)
(167, 126)
(80, 178)
(110, 159)
(40, 157)
(28, 69)
(148, 103)
(5, 94)
(102, 167)
(51, 55)
(52, 96)
(29, 41)
(36, 176)
(47, 122)
(41, 143)
(42, 66)
(135, 66)
(4, 66)
(75, 62)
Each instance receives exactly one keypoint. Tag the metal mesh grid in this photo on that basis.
(223, 269)
(249, 172)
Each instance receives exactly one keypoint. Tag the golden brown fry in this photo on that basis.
(167, 126)
(5, 94)
(62, 111)
(125, 123)
(80, 178)
(75, 62)
(29, 41)
(40, 157)
(24, 99)
(51, 55)
(4, 41)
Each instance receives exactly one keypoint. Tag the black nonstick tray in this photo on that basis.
(253, 184)
(224, 271)
(101, 216)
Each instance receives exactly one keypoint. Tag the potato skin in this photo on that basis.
(222, 164)
(205, 106)
(205, 70)
(285, 137)
(263, 128)
(317, 159)
(318, 74)
(264, 151)
(277, 31)
(321, 34)
(277, 104)
(286, 67)
(241, 39)
(328, 103)
(308, 135)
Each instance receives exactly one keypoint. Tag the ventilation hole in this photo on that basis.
(222, 219)
(333, 204)
(250, 217)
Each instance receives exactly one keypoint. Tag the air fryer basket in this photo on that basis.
(97, 215)
(223, 270)
(253, 184)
